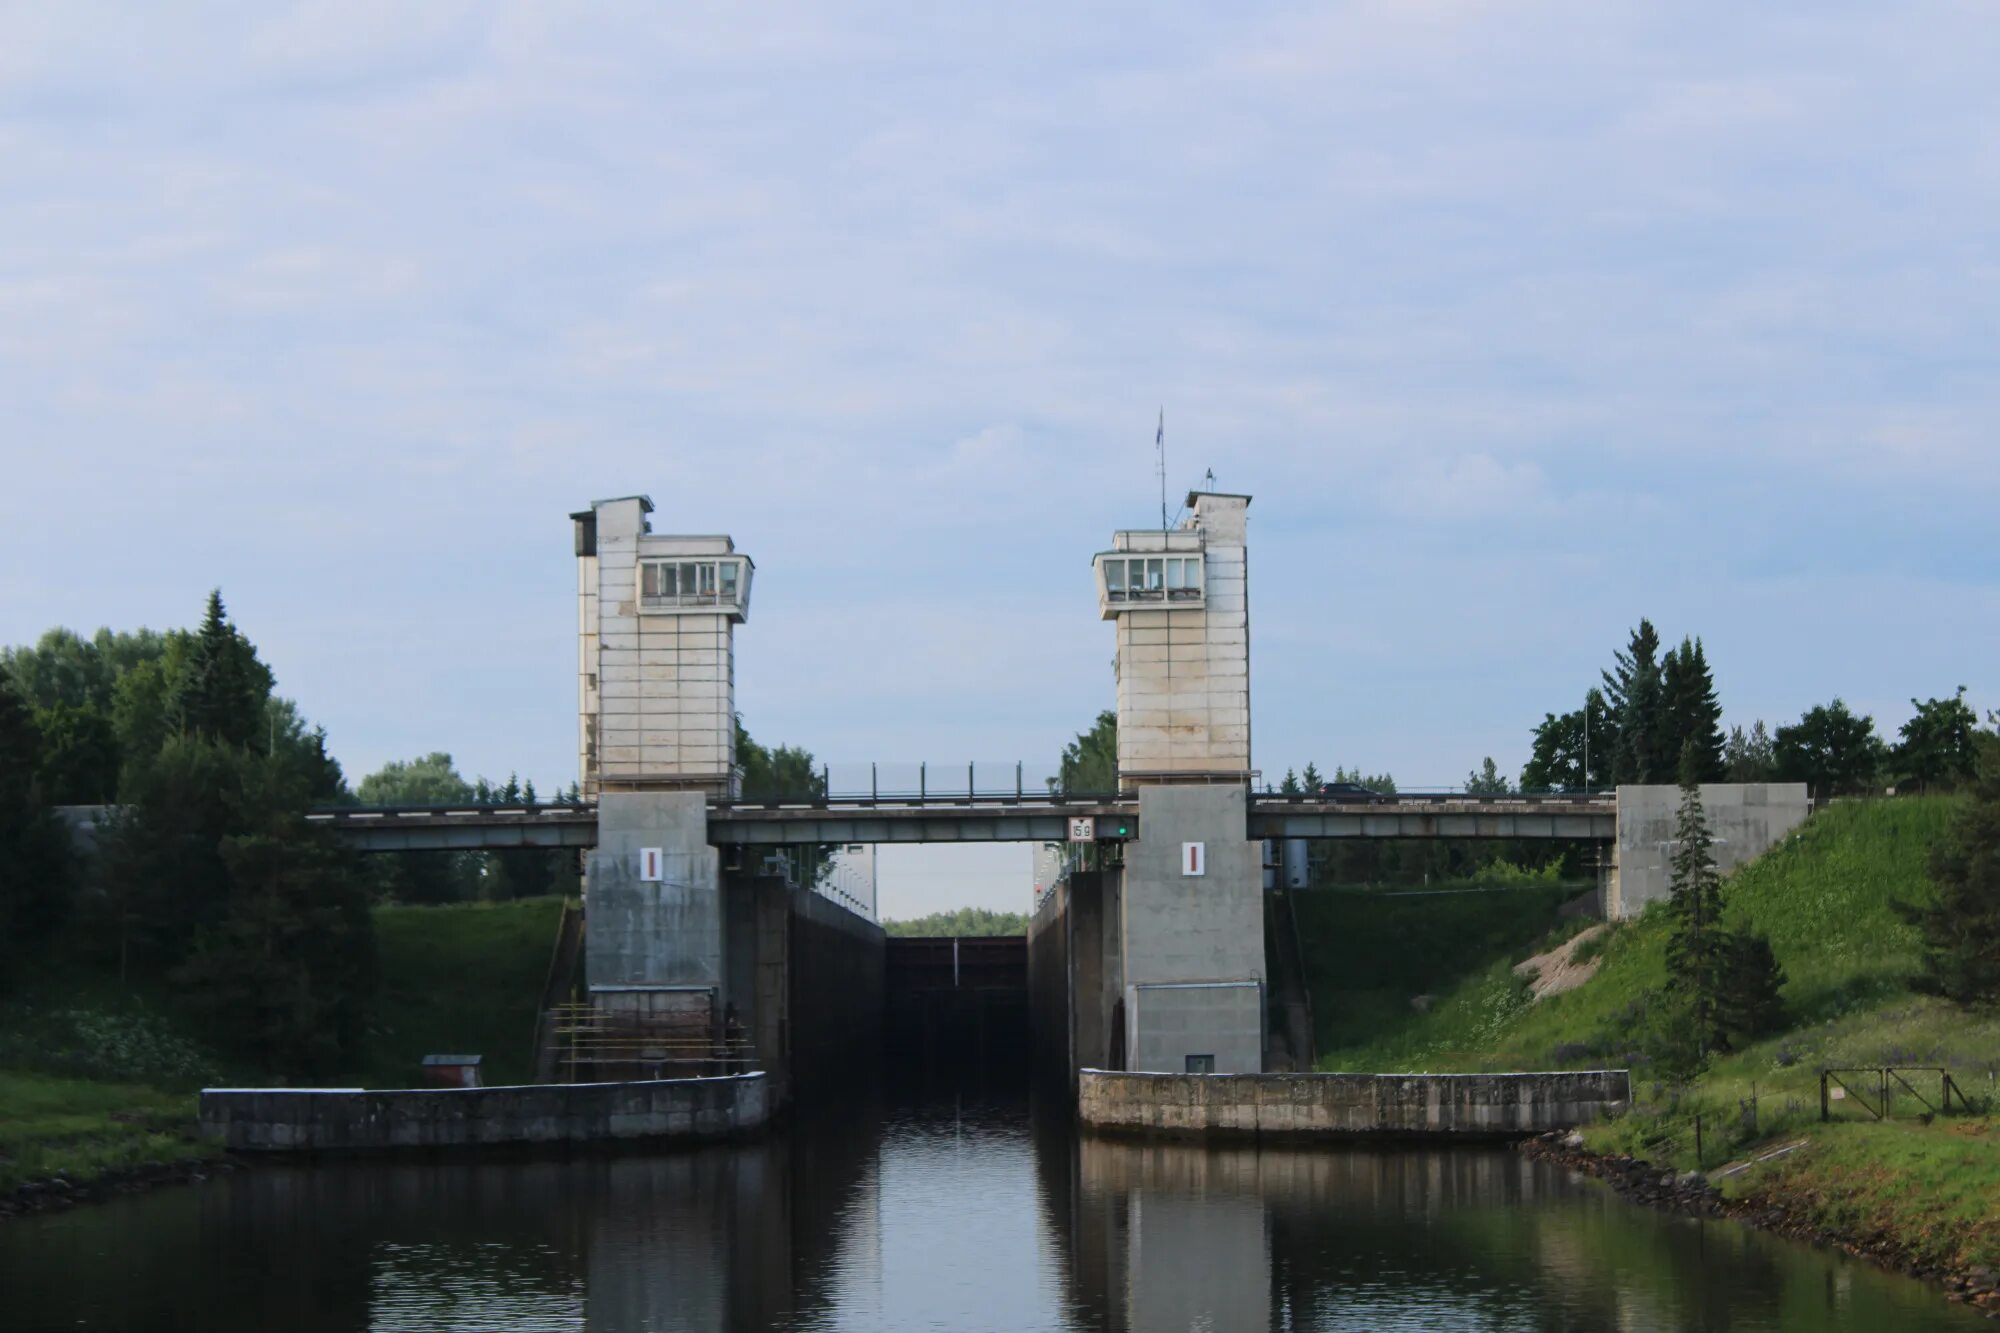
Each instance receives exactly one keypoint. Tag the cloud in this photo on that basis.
(1520, 321)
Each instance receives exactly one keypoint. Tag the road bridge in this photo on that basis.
(949, 819)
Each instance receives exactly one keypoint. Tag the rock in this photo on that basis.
(1573, 1141)
(1693, 1180)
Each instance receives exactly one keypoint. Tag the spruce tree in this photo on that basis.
(1628, 664)
(1693, 712)
(1698, 952)
(221, 689)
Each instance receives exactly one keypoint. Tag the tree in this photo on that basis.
(1290, 786)
(1487, 781)
(1693, 713)
(79, 754)
(1960, 927)
(1090, 762)
(286, 972)
(1312, 781)
(1747, 756)
(1939, 750)
(1749, 1005)
(34, 846)
(1574, 752)
(786, 772)
(1698, 952)
(1632, 695)
(221, 688)
(1830, 749)
(422, 877)
(304, 752)
(431, 779)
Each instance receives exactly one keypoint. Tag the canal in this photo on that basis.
(947, 1208)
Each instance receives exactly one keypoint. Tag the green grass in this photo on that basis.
(1367, 954)
(98, 1075)
(81, 1129)
(1823, 897)
(460, 978)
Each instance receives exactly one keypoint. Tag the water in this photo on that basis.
(941, 1212)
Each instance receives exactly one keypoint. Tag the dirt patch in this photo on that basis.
(1558, 970)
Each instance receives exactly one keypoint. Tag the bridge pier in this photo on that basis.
(1159, 965)
(704, 959)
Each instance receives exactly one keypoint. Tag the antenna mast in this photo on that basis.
(1160, 444)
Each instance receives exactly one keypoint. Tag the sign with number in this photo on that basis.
(1083, 828)
(652, 867)
(1194, 858)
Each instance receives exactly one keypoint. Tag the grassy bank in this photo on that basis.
(98, 1076)
(1374, 958)
(81, 1129)
(1824, 900)
(461, 978)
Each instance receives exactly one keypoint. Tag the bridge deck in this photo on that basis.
(976, 819)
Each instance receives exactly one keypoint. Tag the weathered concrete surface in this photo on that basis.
(1075, 997)
(665, 933)
(1184, 666)
(1193, 945)
(1337, 1105)
(1746, 819)
(341, 1120)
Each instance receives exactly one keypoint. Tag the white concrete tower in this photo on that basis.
(1181, 601)
(656, 662)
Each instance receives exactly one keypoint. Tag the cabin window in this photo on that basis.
(1152, 578)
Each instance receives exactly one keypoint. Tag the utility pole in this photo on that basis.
(1160, 446)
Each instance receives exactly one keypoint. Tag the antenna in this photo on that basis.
(1160, 444)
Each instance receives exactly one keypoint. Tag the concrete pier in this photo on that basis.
(1452, 1106)
(354, 1120)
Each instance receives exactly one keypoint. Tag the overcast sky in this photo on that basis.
(1519, 321)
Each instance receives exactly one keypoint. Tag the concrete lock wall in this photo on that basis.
(1075, 998)
(342, 1120)
(1746, 819)
(836, 970)
(1193, 943)
(1336, 1105)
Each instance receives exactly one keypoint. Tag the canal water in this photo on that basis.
(943, 1210)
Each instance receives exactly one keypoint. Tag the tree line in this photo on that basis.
(204, 876)
(1650, 714)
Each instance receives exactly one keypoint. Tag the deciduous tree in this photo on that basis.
(1830, 749)
(1940, 748)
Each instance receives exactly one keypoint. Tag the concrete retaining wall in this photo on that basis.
(339, 1120)
(1334, 1105)
(1747, 819)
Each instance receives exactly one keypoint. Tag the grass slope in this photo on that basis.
(460, 978)
(1367, 954)
(1825, 899)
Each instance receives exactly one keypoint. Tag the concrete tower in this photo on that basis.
(1181, 602)
(656, 661)
(1189, 902)
(656, 619)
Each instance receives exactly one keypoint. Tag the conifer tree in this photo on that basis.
(1693, 712)
(221, 688)
(1697, 947)
(1961, 926)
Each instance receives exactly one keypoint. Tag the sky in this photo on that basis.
(1519, 322)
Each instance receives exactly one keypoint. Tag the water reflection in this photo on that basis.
(938, 1211)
